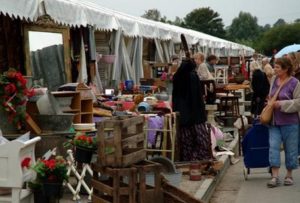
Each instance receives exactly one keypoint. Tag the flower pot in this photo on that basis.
(52, 190)
(40, 197)
(83, 155)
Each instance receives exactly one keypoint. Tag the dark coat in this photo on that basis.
(187, 95)
(260, 86)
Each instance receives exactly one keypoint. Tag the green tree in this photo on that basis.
(244, 28)
(152, 14)
(278, 37)
(279, 22)
(178, 22)
(205, 20)
(266, 27)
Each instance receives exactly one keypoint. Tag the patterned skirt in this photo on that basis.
(195, 143)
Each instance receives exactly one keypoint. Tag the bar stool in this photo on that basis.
(229, 106)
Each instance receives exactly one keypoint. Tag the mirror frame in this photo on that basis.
(57, 29)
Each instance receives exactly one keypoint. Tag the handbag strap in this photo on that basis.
(279, 88)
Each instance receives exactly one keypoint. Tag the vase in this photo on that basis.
(169, 88)
(40, 197)
(52, 190)
(83, 155)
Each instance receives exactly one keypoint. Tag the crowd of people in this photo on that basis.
(265, 79)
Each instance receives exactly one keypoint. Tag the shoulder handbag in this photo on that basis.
(267, 112)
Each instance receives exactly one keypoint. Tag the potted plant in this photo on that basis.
(50, 176)
(85, 146)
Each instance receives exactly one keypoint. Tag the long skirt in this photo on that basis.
(195, 143)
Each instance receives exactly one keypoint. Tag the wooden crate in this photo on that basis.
(121, 141)
(114, 190)
(146, 193)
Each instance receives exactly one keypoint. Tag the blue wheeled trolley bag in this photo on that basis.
(255, 146)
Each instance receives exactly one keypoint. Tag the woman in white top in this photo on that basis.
(202, 69)
(267, 68)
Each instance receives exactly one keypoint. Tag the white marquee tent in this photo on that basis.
(82, 13)
(75, 13)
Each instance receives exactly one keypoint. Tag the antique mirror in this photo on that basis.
(47, 55)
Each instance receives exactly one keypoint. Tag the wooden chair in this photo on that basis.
(12, 175)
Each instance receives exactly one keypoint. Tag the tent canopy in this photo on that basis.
(101, 18)
(82, 13)
(23, 9)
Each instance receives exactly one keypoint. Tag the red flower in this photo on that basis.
(163, 76)
(10, 88)
(83, 140)
(89, 140)
(21, 79)
(50, 164)
(29, 92)
(26, 162)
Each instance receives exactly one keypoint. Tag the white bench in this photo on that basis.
(12, 176)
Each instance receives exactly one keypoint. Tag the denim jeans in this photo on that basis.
(288, 135)
(299, 141)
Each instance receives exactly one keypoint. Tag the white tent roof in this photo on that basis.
(76, 13)
(24, 9)
(82, 13)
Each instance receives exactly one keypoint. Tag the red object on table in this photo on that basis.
(125, 104)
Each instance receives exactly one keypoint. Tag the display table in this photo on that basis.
(234, 87)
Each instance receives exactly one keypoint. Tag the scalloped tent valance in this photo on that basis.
(82, 13)
(23, 9)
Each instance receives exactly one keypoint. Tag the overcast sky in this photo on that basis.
(267, 11)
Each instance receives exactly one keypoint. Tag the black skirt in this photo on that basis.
(195, 143)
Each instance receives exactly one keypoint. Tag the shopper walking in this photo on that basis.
(285, 124)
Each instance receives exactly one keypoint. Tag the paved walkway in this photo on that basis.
(233, 187)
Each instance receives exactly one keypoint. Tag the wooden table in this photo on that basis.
(234, 87)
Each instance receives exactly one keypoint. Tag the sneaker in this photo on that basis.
(274, 182)
(288, 181)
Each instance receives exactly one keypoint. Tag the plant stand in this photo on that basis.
(72, 168)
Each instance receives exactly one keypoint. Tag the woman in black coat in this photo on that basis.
(187, 97)
(260, 86)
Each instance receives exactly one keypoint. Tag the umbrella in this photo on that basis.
(287, 49)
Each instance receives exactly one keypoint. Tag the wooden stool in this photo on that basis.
(114, 189)
(147, 193)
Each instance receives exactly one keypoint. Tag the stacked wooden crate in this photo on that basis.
(121, 141)
(120, 160)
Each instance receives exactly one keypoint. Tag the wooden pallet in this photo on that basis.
(121, 141)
